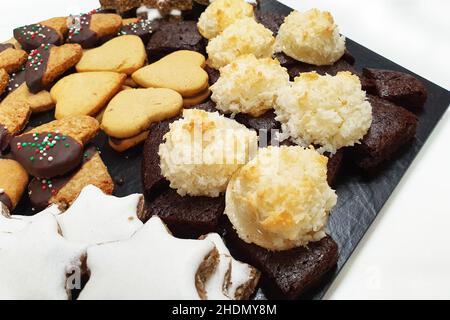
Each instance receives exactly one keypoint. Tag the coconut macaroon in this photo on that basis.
(203, 150)
(245, 36)
(220, 14)
(311, 37)
(249, 85)
(327, 111)
(281, 198)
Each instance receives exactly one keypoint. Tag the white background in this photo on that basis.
(406, 253)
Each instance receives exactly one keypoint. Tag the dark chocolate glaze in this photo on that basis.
(34, 35)
(65, 155)
(4, 46)
(6, 200)
(5, 138)
(16, 80)
(40, 191)
(80, 31)
(141, 28)
(36, 67)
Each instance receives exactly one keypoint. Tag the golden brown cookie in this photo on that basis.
(13, 181)
(124, 54)
(48, 62)
(55, 148)
(133, 111)
(4, 80)
(14, 115)
(11, 59)
(199, 98)
(121, 145)
(181, 71)
(85, 93)
(38, 102)
(64, 190)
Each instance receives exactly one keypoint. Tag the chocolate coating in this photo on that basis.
(40, 191)
(36, 67)
(80, 32)
(65, 155)
(16, 80)
(5, 46)
(142, 29)
(34, 35)
(5, 138)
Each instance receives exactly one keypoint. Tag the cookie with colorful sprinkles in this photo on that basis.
(56, 148)
(63, 191)
(138, 27)
(51, 31)
(48, 62)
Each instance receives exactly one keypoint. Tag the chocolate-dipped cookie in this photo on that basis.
(14, 115)
(139, 27)
(56, 148)
(13, 180)
(50, 31)
(4, 80)
(64, 190)
(48, 62)
(89, 29)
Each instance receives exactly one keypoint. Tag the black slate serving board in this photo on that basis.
(359, 198)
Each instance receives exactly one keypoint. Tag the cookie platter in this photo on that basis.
(363, 176)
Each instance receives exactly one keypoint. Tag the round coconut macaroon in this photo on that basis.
(281, 198)
(249, 85)
(220, 14)
(311, 37)
(330, 112)
(245, 36)
(203, 150)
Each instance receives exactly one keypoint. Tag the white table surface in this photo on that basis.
(406, 252)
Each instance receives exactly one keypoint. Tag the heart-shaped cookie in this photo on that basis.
(85, 93)
(133, 111)
(181, 71)
(124, 54)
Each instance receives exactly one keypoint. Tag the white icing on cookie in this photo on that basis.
(151, 265)
(241, 273)
(11, 224)
(35, 260)
(95, 218)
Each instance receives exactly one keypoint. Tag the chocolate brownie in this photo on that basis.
(334, 165)
(392, 127)
(173, 36)
(153, 180)
(186, 217)
(398, 87)
(286, 274)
